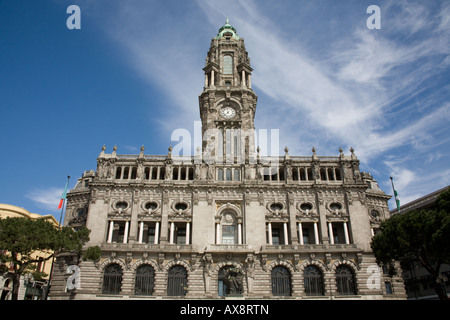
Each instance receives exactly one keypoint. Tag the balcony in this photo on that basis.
(147, 247)
(228, 248)
(309, 248)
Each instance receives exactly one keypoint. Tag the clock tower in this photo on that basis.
(227, 103)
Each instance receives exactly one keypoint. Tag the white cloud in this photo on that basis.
(46, 198)
(367, 91)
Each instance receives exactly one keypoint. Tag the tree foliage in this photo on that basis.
(421, 235)
(21, 238)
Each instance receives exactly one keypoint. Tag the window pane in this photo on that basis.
(181, 236)
(228, 174)
(228, 234)
(227, 65)
(275, 236)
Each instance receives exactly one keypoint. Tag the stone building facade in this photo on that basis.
(227, 222)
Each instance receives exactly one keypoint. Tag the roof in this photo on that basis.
(9, 210)
(226, 30)
(420, 203)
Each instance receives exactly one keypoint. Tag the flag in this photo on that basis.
(397, 200)
(63, 196)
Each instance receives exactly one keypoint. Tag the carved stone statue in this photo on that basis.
(207, 268)
(250, 272)
(233, 281)
(210, 172)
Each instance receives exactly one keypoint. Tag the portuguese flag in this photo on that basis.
(63, 196)
(397, 200)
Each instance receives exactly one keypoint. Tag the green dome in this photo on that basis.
(226, 30)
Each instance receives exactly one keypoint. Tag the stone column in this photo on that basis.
(157, 232)
(285, 231)
(316, 233)
(141, 231)
(172, 229)
(125, 236)
(239, 233)
(218, 233)
(188, 232)
(111, 230)
(347, 239)
(330, 231)
(300, 233)
(269, 226)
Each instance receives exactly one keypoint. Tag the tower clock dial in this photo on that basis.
(227, 112)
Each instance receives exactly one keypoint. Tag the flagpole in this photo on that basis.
(64, 202)
(395, 195)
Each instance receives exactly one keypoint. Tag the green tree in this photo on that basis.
(420, 235)
(21, 238)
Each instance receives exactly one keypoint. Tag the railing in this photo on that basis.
(307, 247)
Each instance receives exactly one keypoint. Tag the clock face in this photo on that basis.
(227, 112)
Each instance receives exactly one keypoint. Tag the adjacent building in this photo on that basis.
(30, 289)
(228, 221)
(419, 283)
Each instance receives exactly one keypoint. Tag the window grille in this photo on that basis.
(112, 279)
(281, 281)
(346, 284)
(177, 281)
(145, 280)
(313, 281)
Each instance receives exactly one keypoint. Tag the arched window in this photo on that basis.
(145, 280)
(220, 174)
(281, 281)
(227, 65)
(313, 281)
(112, 279)
(345, 280)
(177, 281)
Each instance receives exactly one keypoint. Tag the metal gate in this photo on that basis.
(145, 280)
(345, 279)
(313, 281)
(112, 279)
(281, 281)
(177, 281)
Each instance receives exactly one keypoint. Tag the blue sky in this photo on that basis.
(133, 72)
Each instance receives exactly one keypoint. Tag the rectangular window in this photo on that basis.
(151, 235)
(227, 65)
(181, 236)
(228, 234)
(276, 236)
(228, 174)
(335, 235)
(305, 235)
(388, 286)
(236, 175)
